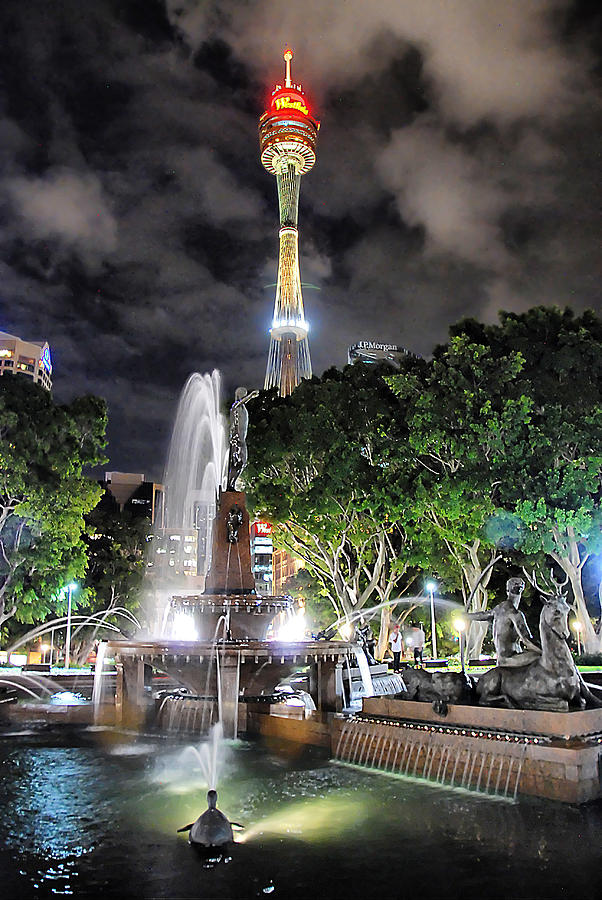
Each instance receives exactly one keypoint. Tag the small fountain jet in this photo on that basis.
(212, 828)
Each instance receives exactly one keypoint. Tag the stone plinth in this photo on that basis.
(290, 724)
(230, 571)
(525, 721)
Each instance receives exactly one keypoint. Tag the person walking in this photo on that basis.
(396, 644)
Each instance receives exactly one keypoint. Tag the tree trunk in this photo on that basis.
(569, 559)
(472, 570)
(592, 642)
(383, 637)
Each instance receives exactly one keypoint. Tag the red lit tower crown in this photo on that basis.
(287, 138)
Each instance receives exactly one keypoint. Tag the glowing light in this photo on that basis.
(431, 586)
(311, 818)
(46, 360)
(288, 103)
(67, 698)
(577, 625)
(18, 659)
(460, 624)
(288, 55)
(294, 628)
(183, 628)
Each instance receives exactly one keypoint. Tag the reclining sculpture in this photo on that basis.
(447, 687)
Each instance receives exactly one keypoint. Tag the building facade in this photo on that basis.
(375, 352)
(261, 557)
(287, 138)
(284, 565)
(29, 358)
(131, 492)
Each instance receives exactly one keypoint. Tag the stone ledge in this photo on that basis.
(520, 721)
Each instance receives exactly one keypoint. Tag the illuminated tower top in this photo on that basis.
(287, 139)
(287, 130)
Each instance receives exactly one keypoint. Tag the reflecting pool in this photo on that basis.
(94, 812)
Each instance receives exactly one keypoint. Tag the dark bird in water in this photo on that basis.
(212, 828)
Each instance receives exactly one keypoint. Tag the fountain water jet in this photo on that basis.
(194, 475)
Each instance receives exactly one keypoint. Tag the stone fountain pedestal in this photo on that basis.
(231, 622)
(248, 670)
(230, 571)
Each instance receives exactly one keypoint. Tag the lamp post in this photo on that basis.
(460, 626)
(578, 628)
(431, 588)
(70, 588)
(51, 646)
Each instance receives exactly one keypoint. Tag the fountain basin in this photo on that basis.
(248, 615)
(245, 668)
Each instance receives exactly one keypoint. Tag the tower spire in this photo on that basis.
(288, 55)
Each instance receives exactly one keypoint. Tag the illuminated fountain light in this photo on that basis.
(183, 627)
(294, 628)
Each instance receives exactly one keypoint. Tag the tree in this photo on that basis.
(465, 415)
(508, 428)
(43, 494)
(554, 494)
(304, 586)
(115, 545)
(327, 467)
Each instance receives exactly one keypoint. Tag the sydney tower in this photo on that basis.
(287, 138)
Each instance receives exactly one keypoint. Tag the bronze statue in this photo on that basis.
(239, 423)
(234, 520)
(447, 687)
(510, 629)
(552, 682)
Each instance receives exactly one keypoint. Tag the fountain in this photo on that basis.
(194, 475)
(216, 651)
(220, 676)
(531, 732)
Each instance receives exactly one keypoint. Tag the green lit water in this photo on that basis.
(94, 813)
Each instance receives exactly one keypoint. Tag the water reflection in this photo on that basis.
(86, 812)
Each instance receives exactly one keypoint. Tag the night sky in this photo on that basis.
(458, 173)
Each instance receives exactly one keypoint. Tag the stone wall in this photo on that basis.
(480, 753)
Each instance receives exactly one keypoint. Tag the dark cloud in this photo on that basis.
(457, 173)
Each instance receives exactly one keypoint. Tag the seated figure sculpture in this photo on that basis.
(551, 682)
(510, 629)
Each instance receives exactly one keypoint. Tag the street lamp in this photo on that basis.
(431, 588)
(70, 588)
(460, 626)
(578, 628)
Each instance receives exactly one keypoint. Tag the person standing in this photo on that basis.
(418, 639)
(396, 644)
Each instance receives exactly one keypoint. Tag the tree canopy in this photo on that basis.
(44, 494)
(325, 467)
(553, 482)
(115, 547)
(491, 448)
